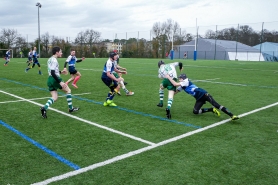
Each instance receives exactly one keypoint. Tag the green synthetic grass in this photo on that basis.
(239, 152)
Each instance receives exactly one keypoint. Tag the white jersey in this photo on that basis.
(52, 64)
(169, 69)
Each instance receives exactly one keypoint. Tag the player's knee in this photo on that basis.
(55, 98)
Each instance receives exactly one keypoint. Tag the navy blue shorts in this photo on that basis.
(109, 82)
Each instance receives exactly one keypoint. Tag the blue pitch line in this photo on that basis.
(50, 152)
(100, 103)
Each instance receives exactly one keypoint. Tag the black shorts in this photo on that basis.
(73, 72)
(206, 98)
(110, 83)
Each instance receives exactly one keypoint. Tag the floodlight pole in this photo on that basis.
(39, 6)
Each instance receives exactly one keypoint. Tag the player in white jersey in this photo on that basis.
(55, 82)
(167, 69)
(118, 62)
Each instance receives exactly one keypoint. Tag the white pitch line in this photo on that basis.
(244, 69)
(135, 152)
(83, 120)
(40, 98)
(90, 69)
(221, 83)
(206, 79)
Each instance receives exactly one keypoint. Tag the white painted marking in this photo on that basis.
(206, 79)
(220, 82)
(41, 98)
(135, 152)
(89, 69)
(83, 120)
(244, 69)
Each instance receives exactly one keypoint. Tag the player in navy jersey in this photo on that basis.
(7, 57)
(75, 75)
(201, 96)
(30, 60)
(35, 61)
(110, 80)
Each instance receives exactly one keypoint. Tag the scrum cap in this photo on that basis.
(183, 76)
(160, 63)
(112, 54)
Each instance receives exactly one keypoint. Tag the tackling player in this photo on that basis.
(201, 96)
(75, 75)
(167, 69)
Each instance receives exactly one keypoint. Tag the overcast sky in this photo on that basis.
(66, 18)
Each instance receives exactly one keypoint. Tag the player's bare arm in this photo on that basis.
(172, 81)
(112, 76)
(119, 71)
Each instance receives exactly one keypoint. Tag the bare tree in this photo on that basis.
(163, 35)
(91, 37)
(21, 46)
(45, 42)
(8, 37)
(210, 34)
(80, 42)
(245, 32)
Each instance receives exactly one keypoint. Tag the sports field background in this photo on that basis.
(134, 143)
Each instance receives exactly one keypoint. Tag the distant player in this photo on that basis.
(184, 55)
(7, 57)
(30, 60)
(35, 61)
(201, 96)
(75, 75)
(167, 69)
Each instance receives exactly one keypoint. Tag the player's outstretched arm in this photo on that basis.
(172, 81)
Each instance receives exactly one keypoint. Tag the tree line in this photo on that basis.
(89, 42)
